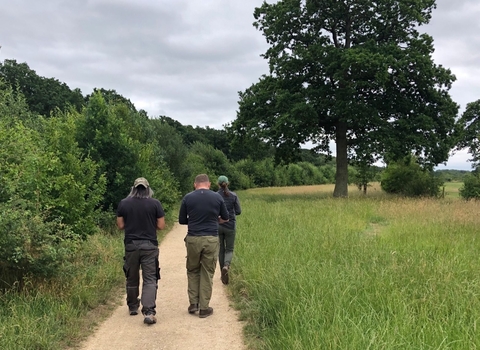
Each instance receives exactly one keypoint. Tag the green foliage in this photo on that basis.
(361, 75)
(43, 95)
(56, 313)
(471, 186)
(364, 173)
(408, 178)
(48, 193)
(452, 175)
(31, 244)
(75, 188)
(218, 139)
(208, 160)
(161, 179)
(103, 138)
(261, 173)
(173, 151)
(469, 133)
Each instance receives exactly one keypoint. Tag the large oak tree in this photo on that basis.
(357, 72)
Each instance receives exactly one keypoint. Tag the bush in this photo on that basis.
(471, 186)
(409, 179)
(31, 245)
(312, 174)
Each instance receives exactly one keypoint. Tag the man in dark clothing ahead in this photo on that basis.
(141, 216)
(202, 210)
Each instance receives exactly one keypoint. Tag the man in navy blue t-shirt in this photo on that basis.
(202, 210)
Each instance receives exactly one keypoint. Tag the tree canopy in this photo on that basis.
(470, 131)
(42, 94)
(355, 72)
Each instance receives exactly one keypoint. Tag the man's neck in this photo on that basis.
(202, 186)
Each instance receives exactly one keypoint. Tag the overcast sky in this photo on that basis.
(188, 59)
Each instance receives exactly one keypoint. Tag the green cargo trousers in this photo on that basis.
(202, 254)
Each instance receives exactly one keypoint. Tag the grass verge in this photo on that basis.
(375, 272)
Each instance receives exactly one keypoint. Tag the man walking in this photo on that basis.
(202, 210)
(141, 216)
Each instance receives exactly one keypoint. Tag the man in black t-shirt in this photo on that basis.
(141, 216)
(202, 210)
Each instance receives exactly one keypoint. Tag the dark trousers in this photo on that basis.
(226, 237)
(142, 254)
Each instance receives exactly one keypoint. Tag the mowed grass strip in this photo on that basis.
(313, 272)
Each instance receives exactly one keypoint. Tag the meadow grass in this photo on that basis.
(55, 314)
(374, 272)
(450, 190)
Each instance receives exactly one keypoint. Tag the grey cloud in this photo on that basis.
(187, 59)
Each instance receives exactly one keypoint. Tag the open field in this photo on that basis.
(451, 189)
(375, 272)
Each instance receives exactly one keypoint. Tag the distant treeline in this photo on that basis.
(449, 175)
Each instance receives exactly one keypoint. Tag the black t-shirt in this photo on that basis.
(140, 216)
(200, 209)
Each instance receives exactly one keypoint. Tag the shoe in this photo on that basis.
(205, 312)
(133, 309)
(192, 308)
(150, 319)
(224, 276)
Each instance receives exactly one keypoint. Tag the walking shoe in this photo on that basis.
(205, 312)
(133, 309)
(150, 319)
(224, 275)
(192, 308)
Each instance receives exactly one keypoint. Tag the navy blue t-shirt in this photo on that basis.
(200, 210)
(140, 217)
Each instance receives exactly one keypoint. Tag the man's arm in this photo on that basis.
(182, 215)
(161, 223)
(223, 213)
(120, 223)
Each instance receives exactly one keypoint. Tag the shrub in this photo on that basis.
(31, 245)
(409, 179)
(471, 186)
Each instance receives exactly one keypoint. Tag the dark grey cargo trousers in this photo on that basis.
(144, 254)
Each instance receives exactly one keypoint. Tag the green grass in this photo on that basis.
(55, 314)
(450, 190)
(313, 272)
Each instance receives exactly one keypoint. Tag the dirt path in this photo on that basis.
(175, 328)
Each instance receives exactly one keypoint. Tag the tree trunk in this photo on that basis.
(341, 176)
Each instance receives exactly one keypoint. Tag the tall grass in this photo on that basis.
(54, 314)
(375, 272)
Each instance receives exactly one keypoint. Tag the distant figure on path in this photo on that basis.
(202, 210)
(227, 230)
(141, 216)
